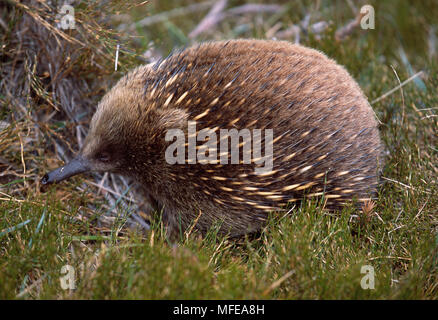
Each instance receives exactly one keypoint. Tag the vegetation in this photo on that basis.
(51, 80)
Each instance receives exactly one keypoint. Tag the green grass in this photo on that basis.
(322, 255)
(307, 254)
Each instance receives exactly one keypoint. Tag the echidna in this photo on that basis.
(325, 140)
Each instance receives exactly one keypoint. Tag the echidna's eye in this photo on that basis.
(103, 157)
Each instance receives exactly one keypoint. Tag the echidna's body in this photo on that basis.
(326, 141)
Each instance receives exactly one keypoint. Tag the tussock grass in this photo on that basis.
(51, 80)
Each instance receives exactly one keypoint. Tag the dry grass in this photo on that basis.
(52, 80)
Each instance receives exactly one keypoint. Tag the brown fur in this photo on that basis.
(328, 138)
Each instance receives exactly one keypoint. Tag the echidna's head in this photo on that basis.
(126, 133)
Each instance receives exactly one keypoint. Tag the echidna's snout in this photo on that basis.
(76, 166)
